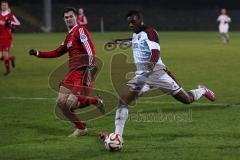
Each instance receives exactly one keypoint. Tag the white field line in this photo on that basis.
(195, 103)
(141, 102)
(26, 98)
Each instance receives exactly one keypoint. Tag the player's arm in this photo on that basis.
(84, 22)
(229, 20)
(49, 54)
(15, 23)
(123, 44)
(87, 43)
(12, 22)
(120, 41)
(153, 44)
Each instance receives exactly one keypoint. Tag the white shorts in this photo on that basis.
(223, 28)
(159, 79)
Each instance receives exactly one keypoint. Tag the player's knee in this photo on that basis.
(61, 103)
(187, 100)
(72, 101)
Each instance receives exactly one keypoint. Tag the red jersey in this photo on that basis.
(6, 31)
(79, 46)
(82, 19)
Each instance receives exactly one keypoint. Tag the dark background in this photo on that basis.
(183, 15)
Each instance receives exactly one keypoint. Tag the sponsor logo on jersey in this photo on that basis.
(83, 38)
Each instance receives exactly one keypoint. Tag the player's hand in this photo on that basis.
(33, 52)
(8, 23)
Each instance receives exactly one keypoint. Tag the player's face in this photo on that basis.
(70, 19)
(134, 23)
(223, 11)
(80, 11)
(4, 6)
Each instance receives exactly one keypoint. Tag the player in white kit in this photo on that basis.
(150, 72)
(223, 27)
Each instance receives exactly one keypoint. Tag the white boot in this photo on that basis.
(79, 132)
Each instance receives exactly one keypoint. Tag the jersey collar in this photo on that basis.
(4, 13)
(72, 28)
(142, 28)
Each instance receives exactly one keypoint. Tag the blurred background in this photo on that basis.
(108, 15)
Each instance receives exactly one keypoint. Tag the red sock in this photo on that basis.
(86, 101)
(7, 64)
(11, 58)
(77, 121)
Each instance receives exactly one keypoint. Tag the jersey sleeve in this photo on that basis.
(229, 19)
(87, 43)
(15, 23)
(153, 44)
(85, 21)
(62, 49)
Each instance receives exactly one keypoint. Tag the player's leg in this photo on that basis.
(188, 97)
(12, 60)
(168, 84)
(224, 34)
(227, 37)
(194, 95)
(84, 101)
(64, 102)
(1, 55)
(82, 88)
(71, 104)
(1, 52)
(6, 62)
(223, 37)
(11, 57)
(6, 57)
(222, 30)
(128, 96)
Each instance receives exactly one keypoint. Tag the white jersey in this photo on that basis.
(142, 45)
(224, 19)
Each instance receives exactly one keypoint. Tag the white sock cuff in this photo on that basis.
(197, 93)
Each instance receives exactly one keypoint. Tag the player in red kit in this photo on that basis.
(81, 18)
(7, 22)
(77, 84)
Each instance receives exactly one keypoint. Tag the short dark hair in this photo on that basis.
(67, 9)
(4, 1)
(134, 13)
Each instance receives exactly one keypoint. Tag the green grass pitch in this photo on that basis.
(29, 128)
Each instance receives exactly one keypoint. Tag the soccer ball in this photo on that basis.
(113, 142)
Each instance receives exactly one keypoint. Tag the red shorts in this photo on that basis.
(75, 82)
(5, 45)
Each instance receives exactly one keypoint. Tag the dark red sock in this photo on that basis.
(86, 101)
(7, 64)
(77, 122)
(11, 58)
